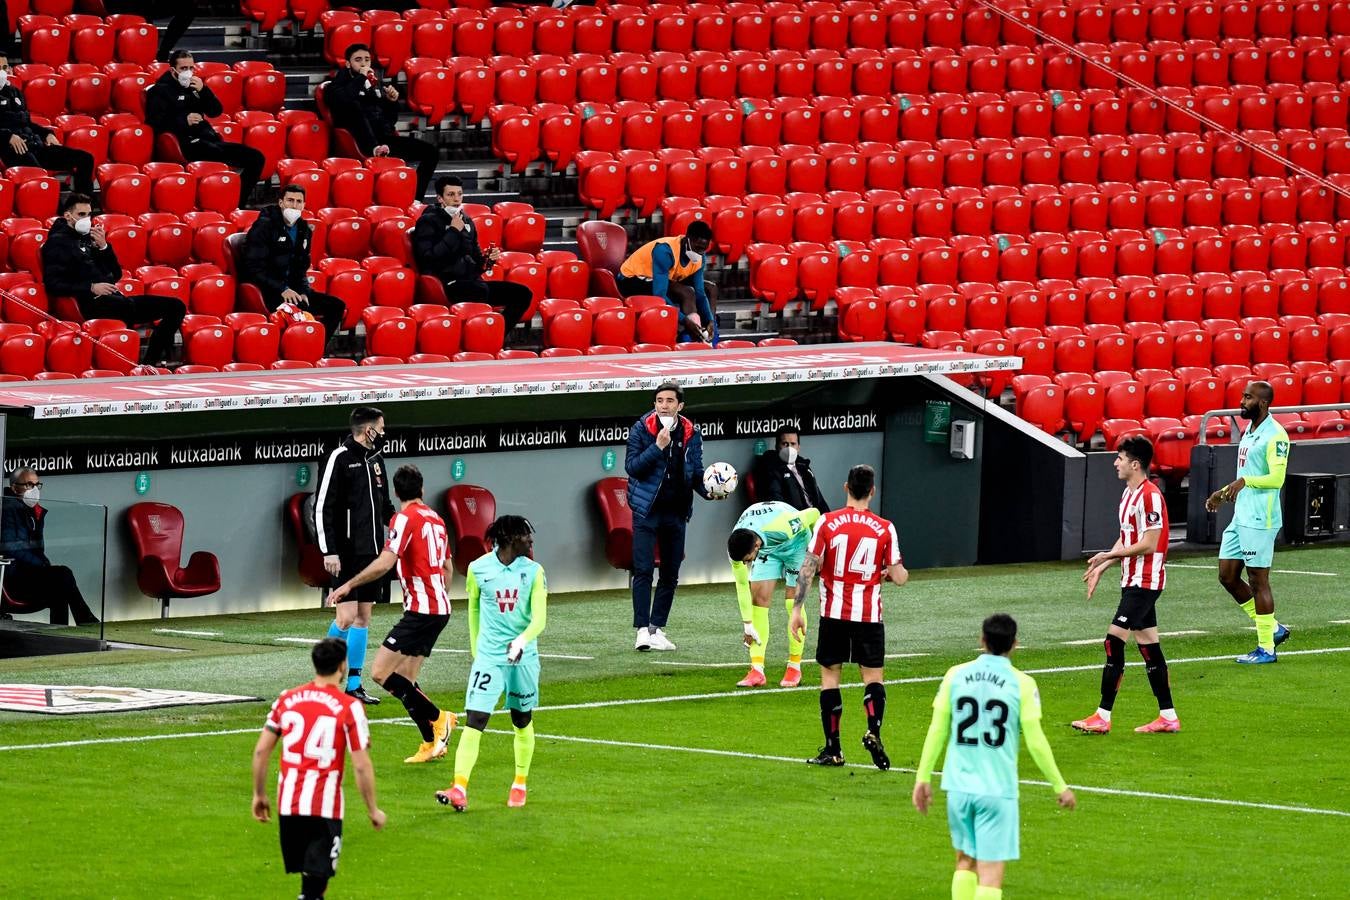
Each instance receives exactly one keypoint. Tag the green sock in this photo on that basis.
(1265, 632)
(988, 893)
(964, 883)
(795, 644)
(1249, 608)
(524, 743)
(759, 617)
(466, 754)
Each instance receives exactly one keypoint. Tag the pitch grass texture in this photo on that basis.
(170, 818)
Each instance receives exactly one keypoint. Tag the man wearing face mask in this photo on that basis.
(179, 104)
(350, 510)
(369, 110)
(24, 143)
(784, 474)
(78, 262)
(277, 259)
(665, 469)
(672, 268)
(445, 244)
(31, 578)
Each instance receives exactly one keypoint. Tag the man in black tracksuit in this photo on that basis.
(445, 244)
(179, 103)
(78, 262)
(351, 509)
(277, 258)
(782, 474)
(23, 143)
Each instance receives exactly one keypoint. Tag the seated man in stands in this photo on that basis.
(78, 262)
(22, 143)
(359, 104)
(653, 269)
(277, 261)
(445, 244)
(31, 579)
(179, 103)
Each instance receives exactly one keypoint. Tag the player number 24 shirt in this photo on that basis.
(317, 724)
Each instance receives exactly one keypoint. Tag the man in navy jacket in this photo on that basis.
(665, 469)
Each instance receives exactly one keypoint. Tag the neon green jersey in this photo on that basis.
(779, 525)
(505, 602)
(1263, 456)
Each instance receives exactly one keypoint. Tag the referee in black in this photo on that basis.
(351, 510)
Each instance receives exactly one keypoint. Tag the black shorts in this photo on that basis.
(632, 286)
(839, 641)
(310, 845)
(374, 592)
(415, 634)
(1137, 609)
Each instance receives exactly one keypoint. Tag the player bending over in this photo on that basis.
(416, 544)
(991, 703)
(768, 543)
(508, 608)
(317, 724)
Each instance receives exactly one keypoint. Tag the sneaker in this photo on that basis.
(872, 744)
(440, 730)
(659, 641)
(1093, 724)
(792, 677)
(1257, 657)
(426, 752)
(644, 640)
(456, 798)
(1281, 635)
(360, 694)
(1160, 726)
(517, 798)
(753, 678)
(826, 757)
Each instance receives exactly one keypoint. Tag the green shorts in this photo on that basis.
(1254, 546)
(983, 827)
(773, 566)
(489, 679)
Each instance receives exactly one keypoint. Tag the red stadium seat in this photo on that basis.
(257, 344)
(210, 346)
(157, 533)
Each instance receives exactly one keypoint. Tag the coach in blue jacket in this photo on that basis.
(665, 469)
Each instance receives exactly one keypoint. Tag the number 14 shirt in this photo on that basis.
(855, 547)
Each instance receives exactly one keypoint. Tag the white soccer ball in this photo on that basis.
(719, 479)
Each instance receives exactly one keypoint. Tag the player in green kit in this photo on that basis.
(768, 543)
(508, 608)
(991, 703)
(1249, 540)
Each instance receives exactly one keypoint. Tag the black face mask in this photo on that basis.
(378, 441)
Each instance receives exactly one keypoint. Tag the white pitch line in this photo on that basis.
(1098, 640)
(296, 640)
(188, 633)
(1340, 621)
(1273, 571)
(742, 663)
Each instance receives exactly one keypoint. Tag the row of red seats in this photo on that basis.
(61, 347)
(86, 39)
(94, 89)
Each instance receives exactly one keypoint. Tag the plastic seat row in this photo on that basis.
(87, 39)
(247, 85)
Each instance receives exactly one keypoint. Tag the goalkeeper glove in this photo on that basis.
(513, 653)
(751, 633)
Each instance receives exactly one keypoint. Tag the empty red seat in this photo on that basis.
(1043, 406)
(157, 533)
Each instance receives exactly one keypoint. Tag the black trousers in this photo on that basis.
(418, 153)
(325, 307)
(514, 299)
(48, 587)
(665, 530)
(247, 160)
(56, 158)
(142, 310)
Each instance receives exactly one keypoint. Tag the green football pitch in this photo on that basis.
(654, 776)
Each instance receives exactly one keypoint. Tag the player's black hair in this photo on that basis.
(408, 483)
(446, 181)
(328, 656)
(1000, 633)
(1138, 448)
(293, 188)
(741, 542)
(363, 416)
(672, 387)
(698, 230)
(786, 429)
(508, 529)
(861, 479)
(73, 199)
(1263, 391)
(176, 55)
(353, 49)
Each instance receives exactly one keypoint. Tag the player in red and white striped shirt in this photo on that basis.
(317, 724)
(417, 546)
(1142, 551)
(852, 549)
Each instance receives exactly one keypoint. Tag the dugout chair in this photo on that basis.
(300, 517)
(612, 495)
(157, 533)
(471, 510)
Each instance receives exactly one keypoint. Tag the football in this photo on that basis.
(719, 479)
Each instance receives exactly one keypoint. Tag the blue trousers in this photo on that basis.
(664, 530)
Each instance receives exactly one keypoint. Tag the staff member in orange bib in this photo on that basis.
(653, 269)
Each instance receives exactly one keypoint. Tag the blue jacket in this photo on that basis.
(647, 465)
(21, 532)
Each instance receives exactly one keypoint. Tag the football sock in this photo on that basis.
(874, 702)
(466, 754)
(988, 893)
(312, 887)
(831, 710)
(1249, 608)
(524, 747)
(759, 617)
(1155, 664)
(795, 644)
(964, 883)
(1265, 632)
(335, 632)
(1112, 672)
(356, 655)
(420, 708)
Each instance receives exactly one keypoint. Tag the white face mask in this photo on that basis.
(694, 257)
(82, 226)
(454, 210)
(32, 496)
(788, 454)
(668, 421)
(4, 79)
(290, 215)
(185, 77)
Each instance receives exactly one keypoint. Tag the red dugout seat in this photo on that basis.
(157, 533)
(471, 509)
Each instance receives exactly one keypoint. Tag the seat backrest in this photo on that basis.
(234, 252)
(612, 495)
(603, 245)
(300, 518)
(157, 529)
(472, 509)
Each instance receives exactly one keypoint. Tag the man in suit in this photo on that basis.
(783, 474)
